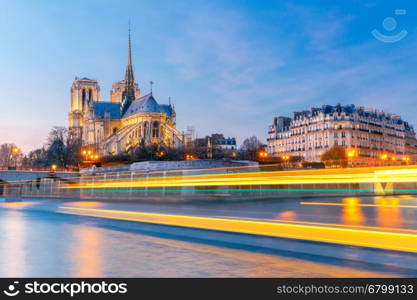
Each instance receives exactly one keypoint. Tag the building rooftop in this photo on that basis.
(100, 108)
(147, 104)
(350, 110)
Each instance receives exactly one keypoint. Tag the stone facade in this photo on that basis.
(369, 133)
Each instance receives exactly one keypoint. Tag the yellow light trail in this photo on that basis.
(17, 204)
(329, 224)
(361, 205)
(344, 236)
(360, 175)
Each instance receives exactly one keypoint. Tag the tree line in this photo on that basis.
(59, 150)
(62, 151)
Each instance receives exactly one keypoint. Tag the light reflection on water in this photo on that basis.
(85, 252)
(352, 213)
(13, 244)
(46, 245)
(388, 213)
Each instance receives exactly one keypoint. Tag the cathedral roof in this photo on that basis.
(166, 108)
(147, 104)
(100, 108)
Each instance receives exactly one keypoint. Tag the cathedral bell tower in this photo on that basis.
(83, 92)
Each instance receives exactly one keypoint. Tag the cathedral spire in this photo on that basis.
(129, 92)
(129, 68)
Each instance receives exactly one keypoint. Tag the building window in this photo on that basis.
(155, 129)
(145, 128)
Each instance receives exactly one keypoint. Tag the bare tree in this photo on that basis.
(37, 158)
(57, 149)
(250, 146)
(9, 156)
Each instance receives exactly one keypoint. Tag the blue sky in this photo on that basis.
(229, 66)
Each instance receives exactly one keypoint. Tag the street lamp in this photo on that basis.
(15, 152)
(285, 157)
(384, 156)
(263, 154)
(406, 159)
(89, 155)
(351, 153)
(189, 157)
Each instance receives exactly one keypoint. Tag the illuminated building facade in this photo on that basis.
(128, 121)
(366, 133)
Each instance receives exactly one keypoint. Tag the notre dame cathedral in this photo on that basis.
(127, 121)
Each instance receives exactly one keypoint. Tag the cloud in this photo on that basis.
(323, 29)
(250, 81)
(236, 66)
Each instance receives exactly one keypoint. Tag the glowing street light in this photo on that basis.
(262, 154)
(14, 154)
(351, 153)
(15, 150)
(89, 155)
(54, 167)
(285, 157)
(406, 159)
(384, 156)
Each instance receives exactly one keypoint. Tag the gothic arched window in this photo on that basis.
(145, 128)
(155, 129)
(83, 96)
(90, 95)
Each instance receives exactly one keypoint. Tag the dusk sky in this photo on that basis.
(229, 66)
